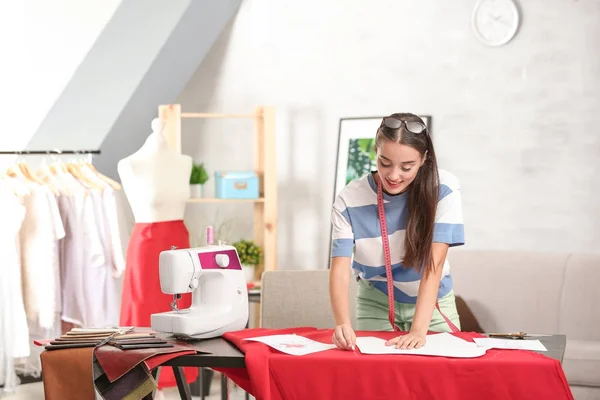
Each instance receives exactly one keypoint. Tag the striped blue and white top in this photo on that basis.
(357, 233)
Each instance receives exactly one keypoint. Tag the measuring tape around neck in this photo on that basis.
(386, 253)
(388, 263)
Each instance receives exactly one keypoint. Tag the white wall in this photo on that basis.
(175, 59)
(42, 42)
(517, 124)
(106, 83)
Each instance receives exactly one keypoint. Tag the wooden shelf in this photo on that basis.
(264, 208)
(209, 115)
(217, 200)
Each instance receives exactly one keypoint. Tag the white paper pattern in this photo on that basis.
(514, 344)
(439, 344)
(293, 344)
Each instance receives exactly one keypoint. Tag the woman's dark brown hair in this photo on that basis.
(423, 194)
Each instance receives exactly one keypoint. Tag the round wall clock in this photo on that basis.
(495, 22)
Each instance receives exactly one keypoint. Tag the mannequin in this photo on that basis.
(155, 180)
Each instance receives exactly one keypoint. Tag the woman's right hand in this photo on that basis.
(344, 337)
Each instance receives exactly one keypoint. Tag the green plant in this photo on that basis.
(361, 158)
(248, 251)
(198, 174)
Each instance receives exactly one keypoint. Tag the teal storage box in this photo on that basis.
(236, 185)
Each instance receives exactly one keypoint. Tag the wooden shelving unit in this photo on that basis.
(265, 207)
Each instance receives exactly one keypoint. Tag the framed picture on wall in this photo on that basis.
(356, 148)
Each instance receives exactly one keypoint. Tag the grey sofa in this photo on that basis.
(496, 292)
(538, 293)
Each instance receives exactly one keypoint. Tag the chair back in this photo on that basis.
(296, 298)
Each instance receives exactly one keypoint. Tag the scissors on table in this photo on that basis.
(517, 335)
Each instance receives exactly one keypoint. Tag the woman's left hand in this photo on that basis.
(412, 340)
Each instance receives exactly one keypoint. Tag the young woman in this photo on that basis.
(420, 207)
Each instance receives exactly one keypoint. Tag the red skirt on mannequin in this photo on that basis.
(141, 284)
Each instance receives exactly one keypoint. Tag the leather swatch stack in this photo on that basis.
(79, 337)
(110, 364)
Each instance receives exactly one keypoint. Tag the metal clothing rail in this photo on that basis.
(49, 152)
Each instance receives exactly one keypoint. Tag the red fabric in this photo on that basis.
(499, 374)
(141, 284)
(160, 359)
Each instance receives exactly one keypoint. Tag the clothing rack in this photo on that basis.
(49, 152)
(55, 153)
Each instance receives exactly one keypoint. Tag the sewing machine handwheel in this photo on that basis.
(222, 260)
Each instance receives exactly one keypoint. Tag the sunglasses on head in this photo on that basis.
(411, 126)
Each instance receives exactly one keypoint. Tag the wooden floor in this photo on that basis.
(35, 391)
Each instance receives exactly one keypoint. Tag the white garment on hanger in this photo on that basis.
(14, 333)
(41, 230)
(40, 234)
(94, 261)
(114, 231)
(72, 211)
(100, 286)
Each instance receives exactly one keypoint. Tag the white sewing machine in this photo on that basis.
(215, 277)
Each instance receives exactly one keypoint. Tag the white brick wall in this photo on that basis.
(517, 124)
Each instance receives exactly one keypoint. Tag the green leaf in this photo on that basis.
(248, 251)
(198, 174)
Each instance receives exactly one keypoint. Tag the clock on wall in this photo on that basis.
(495, 22)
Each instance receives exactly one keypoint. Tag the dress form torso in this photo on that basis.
(156, 180)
